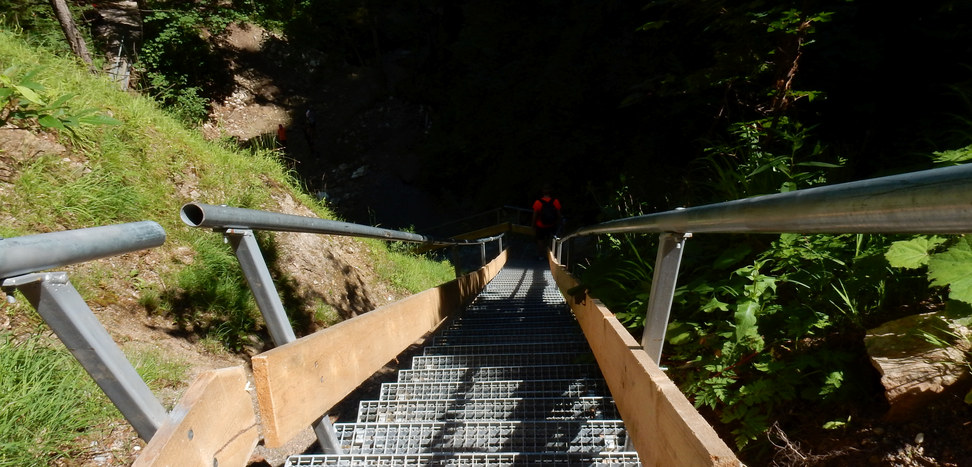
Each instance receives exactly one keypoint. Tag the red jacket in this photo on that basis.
(537, 206)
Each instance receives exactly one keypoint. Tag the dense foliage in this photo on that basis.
(763, 327)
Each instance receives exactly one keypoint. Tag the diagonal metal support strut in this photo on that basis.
(670, 248)
(268, 300)
(59, 303)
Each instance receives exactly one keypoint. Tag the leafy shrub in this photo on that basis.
(760, 323)
(183, 71)
(23, 103)
(948, 262)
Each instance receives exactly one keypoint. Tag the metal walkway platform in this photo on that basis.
(510, 382)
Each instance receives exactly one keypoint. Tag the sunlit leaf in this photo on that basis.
(912, 254)
(29, 94)
(48, 121)
(953, 268)
(715, 304)
(954, 156)
(746, 320)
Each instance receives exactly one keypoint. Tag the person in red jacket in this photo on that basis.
(282, 137)
(546, 219)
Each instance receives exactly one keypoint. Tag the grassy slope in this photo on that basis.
(143, 169)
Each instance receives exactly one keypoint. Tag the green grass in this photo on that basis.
(36, 426)
(144, 168)
(159, 371)
(132, 171)
(49, 402)
(406, 271)
(326, 315)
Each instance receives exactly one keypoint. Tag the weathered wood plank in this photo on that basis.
(213, 424)
(299, 381)
(664, 426)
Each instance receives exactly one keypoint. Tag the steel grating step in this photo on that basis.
(494, 389)
(492, 325)
(604, 459)
(507, 306)
(569, 327)
(510, 318)
(493, 339)
(511, 381)
(427, 362)
(482, 436)
(500, 373)
(545, 303)
(501, 348)
(534, 304)
(497, 310)
(548, 408)
(531, 298)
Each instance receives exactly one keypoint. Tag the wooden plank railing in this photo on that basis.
(663, 425)
(299, 381)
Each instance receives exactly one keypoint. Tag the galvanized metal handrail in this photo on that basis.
(32, 253)
(226, 217)
(937, 201)
(930, 201)
(64, 310)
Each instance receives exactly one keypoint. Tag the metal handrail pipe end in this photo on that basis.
(225, 217)
(192, 214)
(33, 253)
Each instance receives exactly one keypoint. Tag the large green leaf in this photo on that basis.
(29, 94)
(953, 268)
(912, 254)
(48, 121)
(746, 320)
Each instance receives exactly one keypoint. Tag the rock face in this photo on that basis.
(914, 371)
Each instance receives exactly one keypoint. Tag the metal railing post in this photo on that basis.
(670, 248)
(482, 254)
(261, 284)
(566, 253)
(455, 261)
(268, 300)
(62, 307)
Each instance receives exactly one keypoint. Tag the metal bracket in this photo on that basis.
(61, 306)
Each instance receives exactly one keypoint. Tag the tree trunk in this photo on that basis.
(71, 32)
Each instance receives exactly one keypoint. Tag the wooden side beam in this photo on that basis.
(213, 424)
(299, 381)
(664, 426)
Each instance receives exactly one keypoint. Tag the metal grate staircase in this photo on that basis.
(510, 382)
